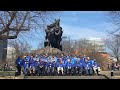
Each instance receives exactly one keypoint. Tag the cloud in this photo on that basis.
(78, 32)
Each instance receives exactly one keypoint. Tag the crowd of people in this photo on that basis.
(56, 65)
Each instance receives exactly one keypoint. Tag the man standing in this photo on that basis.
(18, 65)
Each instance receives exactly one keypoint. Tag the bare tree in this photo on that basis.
(113, 44)
(68, 45)
(20, 47)
(13, 22)
(82, 46)
(115, 19)
(65, 45)
(40, 45)
(24, 25)
(86, 47)
(102, 61)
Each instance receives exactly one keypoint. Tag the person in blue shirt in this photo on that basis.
(26, 67)
(73, 60)
(55, 68)
(95, 68)
(68, 67)
(60, 66)
(45, 66)
(32, 61)
(37, 67)
(79, 59)
(28, 57)
(50, 67)
(19, 63)
(34, 58)
(77, 66)
(91, 61)
(64, 60)
(87, 67)
(84, 57)
(42, 67)
(32, 66)
(54, 59)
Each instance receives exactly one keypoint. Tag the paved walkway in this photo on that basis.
(104, 75)
(65, 77)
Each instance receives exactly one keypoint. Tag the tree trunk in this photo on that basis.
(117, 60)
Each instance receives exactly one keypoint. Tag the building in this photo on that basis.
(100, 42)
(11, 53)
(3, 50)
(113, 58)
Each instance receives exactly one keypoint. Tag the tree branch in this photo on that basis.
(8, 37)
(14, 29)
(12, 17)
(23, 20)
(9, 23)
(2, 22)
(114, 31)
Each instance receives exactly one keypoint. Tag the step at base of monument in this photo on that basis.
(65, 77)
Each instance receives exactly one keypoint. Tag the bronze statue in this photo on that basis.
(53, 35)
